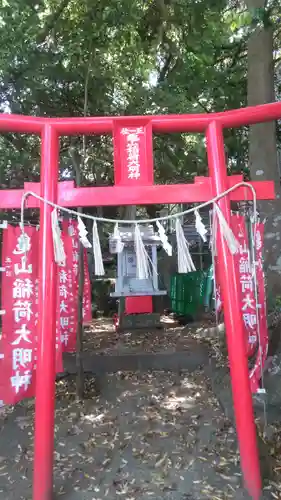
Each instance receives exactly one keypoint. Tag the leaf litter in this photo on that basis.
(144, 435)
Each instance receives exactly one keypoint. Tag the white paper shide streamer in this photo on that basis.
(164, 239)
(83, 234)
(214, 233)
(99, 269)
(23, 241)
(185, 262)
(117, 237)
(226, 231)
(200, 227)
(59, 253)
(143, 271)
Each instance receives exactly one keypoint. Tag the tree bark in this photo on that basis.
(80, 379)
(262, 147)
(80, 328)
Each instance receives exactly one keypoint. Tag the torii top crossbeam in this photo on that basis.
(160, 123)
(134, 185)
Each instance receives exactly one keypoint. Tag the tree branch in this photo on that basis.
(14, 75)
(163, 73)
(51, 22)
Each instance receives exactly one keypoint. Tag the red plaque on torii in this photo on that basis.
(133, 172)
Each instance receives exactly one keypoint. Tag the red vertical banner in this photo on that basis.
(68, 326)
(73, 259)
(256, 373)
(20, 303)
(133, 152)
(87, 295)
(18, 345)
(67, 318)
(62, 321)
(73, 263)
(246, 282)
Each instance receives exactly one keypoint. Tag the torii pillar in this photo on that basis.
(134, 186)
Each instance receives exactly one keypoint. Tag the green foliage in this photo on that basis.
(159, 56)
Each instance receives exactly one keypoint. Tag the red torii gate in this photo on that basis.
(142, 191)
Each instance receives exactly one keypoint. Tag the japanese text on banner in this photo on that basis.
(87, 295)
(20, 302)
(133, 150)
(69, 287)
(256, 373)
(245, 280)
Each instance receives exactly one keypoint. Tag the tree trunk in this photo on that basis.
(128, 212)
(262, 148)
(80, 328)
(80, 379)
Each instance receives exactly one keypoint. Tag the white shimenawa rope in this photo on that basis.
(185, 262)
(226, 230)
(169, 217)
(99, 269)
(142, 221)
(83, 233)
(117, 237)
(164, 239)
(200, 227)
(143, 271)
(59, 252)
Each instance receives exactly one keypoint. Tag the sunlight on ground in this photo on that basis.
(184, 401)
(173, 402)
(94, 418)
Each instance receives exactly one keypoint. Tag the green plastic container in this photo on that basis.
(188, 292)
(209, 289)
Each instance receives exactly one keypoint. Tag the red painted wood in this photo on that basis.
(235, 334)
(160, 123)
(133, 139)
(138, 305)
(200, 191)
(46, 363)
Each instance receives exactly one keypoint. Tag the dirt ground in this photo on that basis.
(145, 436)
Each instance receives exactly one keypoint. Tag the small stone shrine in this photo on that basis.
(136, 294)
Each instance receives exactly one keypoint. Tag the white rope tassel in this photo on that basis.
(185, 262)
(164, 239)
(200, 227)
(141, 256)
(83, 234)
(99, 269)
(59, 252)
(117, 237)
(226, 231)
